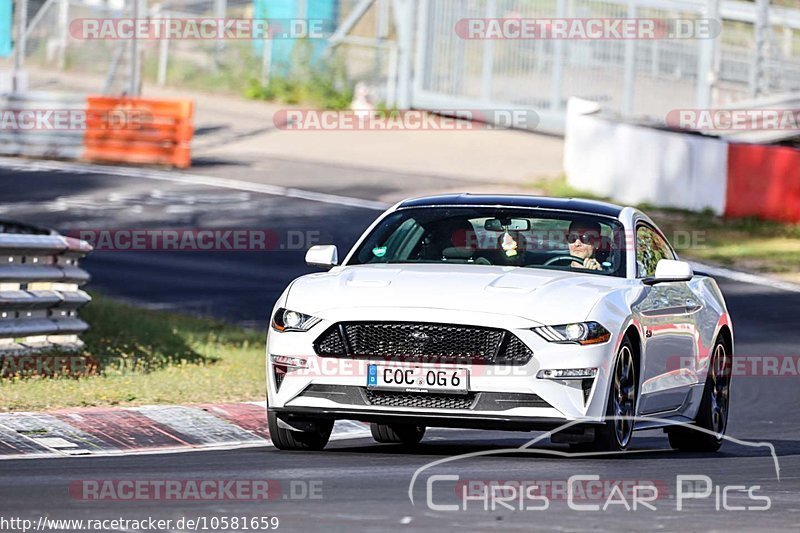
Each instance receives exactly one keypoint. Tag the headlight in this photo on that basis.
(578, 333)
(286, 320)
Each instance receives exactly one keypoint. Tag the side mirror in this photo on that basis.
(324, 256)
(668, 270)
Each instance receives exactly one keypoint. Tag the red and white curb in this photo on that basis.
(137, 430)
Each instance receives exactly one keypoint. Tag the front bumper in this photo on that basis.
(500, 396)
(449, 420)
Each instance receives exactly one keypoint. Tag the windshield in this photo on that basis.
(503, 236)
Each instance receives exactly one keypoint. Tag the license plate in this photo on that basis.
(418, 378)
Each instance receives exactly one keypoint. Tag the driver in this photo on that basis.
(583, 239)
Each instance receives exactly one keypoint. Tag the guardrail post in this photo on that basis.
(708, 62)
(404, 17)
(163, 58)
(558, 63)
(629, 77)
(20, 43)
(759, 71)
(135, 76)
(487, 68)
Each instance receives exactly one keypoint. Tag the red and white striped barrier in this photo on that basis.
(636, 164)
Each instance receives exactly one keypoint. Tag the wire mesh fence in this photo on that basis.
(636, 77)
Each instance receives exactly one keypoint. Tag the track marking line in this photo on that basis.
(192, 179)
(746, 277)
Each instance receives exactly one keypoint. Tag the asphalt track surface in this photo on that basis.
(364, 485)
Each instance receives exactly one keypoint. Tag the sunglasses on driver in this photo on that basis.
(586, 237)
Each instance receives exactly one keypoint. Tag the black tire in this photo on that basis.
(313, 439)
(615, 435)
(406, 434)
(712, 415)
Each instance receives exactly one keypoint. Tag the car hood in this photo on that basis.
(544, 296)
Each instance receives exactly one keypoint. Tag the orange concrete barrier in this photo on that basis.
(139, 131)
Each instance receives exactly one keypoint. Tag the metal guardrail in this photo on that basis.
(97, 128)
(40, 292)
(36, 142)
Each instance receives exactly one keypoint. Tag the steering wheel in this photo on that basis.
(560, 258)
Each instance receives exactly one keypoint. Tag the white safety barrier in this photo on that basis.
(636, 164)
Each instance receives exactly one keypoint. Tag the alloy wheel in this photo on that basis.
(624, 396)
(720, 389)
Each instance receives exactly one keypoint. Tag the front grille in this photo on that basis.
(515, 349)
(330, 343)
(420, 400)
(423, 342)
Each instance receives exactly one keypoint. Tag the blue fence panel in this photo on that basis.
(6, 25)
(283, 49)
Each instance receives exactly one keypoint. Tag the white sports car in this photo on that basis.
(502, 312)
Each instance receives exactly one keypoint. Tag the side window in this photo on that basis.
(650, 249)
(402, 242)
(396, 245)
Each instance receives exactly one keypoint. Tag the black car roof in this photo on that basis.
(516, 200)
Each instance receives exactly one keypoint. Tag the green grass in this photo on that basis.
(560, 188)
(138, 357)
(321, 83)
(747, 243)
(319, 91)
(318, 83)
